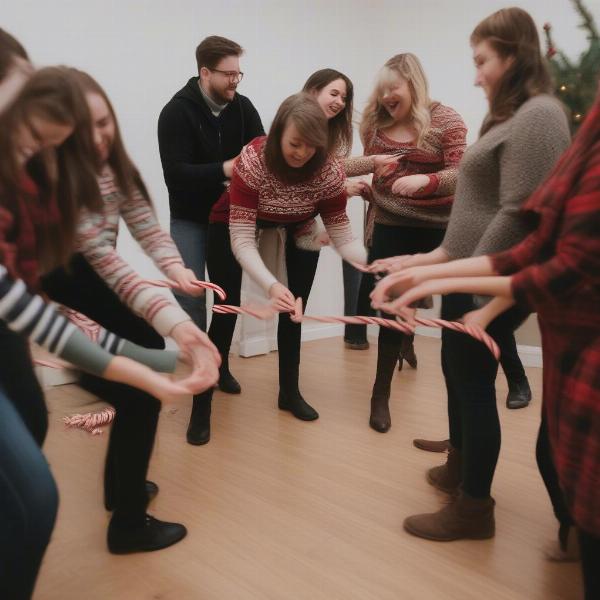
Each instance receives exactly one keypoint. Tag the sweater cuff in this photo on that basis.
(503, 264)
(167, 318)
(522, 292)
(432, 186)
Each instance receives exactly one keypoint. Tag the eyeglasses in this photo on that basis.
(235, 76)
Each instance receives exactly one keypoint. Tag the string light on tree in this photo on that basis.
(576, 84)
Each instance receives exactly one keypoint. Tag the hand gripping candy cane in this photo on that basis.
(266, 312)
(167, 283)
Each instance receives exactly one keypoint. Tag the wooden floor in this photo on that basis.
(280, 509)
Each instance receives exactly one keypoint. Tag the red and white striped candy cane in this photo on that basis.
(91, 422)
(166, 283)
(475, 332)
(267, 312)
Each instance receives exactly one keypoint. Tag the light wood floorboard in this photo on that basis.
(280, 509)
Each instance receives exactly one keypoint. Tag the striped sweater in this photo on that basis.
(30, 315)
(97, 240)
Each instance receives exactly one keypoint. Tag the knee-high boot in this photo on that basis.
(387, 357)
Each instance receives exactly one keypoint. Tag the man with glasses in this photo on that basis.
(201, 131)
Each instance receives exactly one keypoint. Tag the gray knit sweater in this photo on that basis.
(499, 172)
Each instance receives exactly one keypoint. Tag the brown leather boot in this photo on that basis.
(463, 518)
(432, 445)
(387, 356)
(447, 477)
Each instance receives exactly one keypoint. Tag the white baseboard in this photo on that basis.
(531, 356)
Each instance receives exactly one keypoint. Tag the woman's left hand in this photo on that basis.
(397, 283)
(410, 184)
(184, 280)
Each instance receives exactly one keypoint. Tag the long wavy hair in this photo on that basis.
(512, 33)
(310, 121)
(126, 173)
(375, 116)
(66, 173)
(340, 126)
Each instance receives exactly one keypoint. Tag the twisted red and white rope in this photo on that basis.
(91, 422)
(267, 311)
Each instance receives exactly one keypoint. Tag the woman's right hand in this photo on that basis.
(282, 299)
(384, 164)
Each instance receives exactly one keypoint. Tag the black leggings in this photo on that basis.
(470, 373)
(134, 429)
(224, 270)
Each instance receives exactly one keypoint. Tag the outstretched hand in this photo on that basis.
(184, 280)
(281, 298)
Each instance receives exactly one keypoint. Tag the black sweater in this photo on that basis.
(194, 144)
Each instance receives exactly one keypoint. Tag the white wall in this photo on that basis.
(143, 51)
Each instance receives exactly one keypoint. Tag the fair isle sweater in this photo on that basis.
(97, 240)
(499, 172)
(437, 157)
(258, 195)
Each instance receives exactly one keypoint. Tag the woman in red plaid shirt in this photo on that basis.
(555, 271)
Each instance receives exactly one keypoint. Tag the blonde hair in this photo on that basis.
(375, 115)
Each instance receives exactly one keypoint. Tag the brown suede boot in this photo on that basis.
(432, 445)
(464, 518)
(447, 477)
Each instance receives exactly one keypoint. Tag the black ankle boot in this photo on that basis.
(387, 356)
(519, 394)
(147, 536)
(198, 432)
(290, 397)
(227, 382)
(151, 492)
(297, 405)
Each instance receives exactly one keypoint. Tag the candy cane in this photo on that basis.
(266, 312)
(203, 284)
(91, 422)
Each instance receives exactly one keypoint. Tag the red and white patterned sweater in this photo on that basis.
(255, 194)
(97, 240)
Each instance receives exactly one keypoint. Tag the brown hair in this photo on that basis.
(311, 123)
(126, 173)
(340, 126)
(10, 48)
(66, 173)
(376, 116)
(213, 49)
(511, 32)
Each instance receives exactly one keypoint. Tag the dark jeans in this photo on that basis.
(225, 271)
(134, 429)
(470, 373)
(28, 494)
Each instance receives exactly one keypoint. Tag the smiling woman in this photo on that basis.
(412, 199)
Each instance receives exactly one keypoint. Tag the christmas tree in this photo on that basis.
(576, 84)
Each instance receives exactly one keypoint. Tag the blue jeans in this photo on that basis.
(191, 239)
(28, 504)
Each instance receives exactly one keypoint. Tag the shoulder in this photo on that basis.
(540, 110)
(245, 102)
(444, 117)
(250, 165)
(330, 179)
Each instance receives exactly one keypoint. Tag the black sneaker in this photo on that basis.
(151, 535)
(151, 492)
